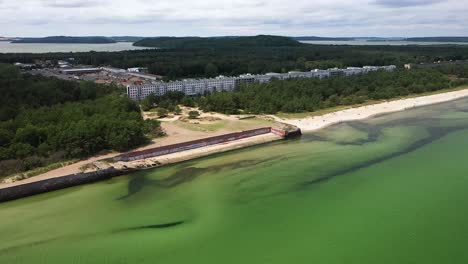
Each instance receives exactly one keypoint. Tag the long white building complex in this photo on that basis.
(222, 83)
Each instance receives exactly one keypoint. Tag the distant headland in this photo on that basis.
(219, 42)
(67, 40)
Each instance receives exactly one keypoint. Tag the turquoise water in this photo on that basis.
(387, 190)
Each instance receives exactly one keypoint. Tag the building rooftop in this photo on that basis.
(81, 69)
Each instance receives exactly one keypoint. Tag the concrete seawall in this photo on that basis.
(190, 154)
(53, 184)
(206, 146)
(195, 144)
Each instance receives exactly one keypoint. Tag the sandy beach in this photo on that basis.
(177, 134)
(310, 124)
(197, 153)
(156, 161)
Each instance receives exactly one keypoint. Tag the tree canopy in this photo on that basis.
(45, 120)
(217, 42)
(301, 95)
(183, 62)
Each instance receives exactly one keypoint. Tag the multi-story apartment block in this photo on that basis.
(221, 83)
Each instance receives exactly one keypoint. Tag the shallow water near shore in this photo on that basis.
(391, 189)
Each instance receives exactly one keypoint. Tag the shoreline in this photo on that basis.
(34, 186)
(307, 124)
(191, 154)
(122, 167)
(311, 124)
(175, 135)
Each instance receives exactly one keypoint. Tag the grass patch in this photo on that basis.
(248, 124)
(247, 117)
(258, 121)
(215, 126)
(227, 125)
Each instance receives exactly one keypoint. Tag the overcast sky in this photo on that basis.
(386, 18)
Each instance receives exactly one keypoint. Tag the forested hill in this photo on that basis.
(439, 39)
(67, 40)
(207, 62)
(47, 120)
(217, 42)
(313, 38)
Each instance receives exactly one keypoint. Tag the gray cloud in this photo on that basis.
(234, 17)
(406, 3)
(71, 3)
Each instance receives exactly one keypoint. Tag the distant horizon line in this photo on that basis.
(220, 36)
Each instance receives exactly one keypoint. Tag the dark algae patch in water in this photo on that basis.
(158, 226)
(391, 189)
(435, 133)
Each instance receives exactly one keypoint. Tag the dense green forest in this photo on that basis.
(218, 42)
(176, 63)
(457, 70)
(308, 95)
(314, 38)
(46, 120)
(301, 95)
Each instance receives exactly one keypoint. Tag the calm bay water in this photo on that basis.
(387, 190)
(371, 43)
(7, 47)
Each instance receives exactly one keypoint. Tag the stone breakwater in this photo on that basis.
(285, 132)
(170, 154)
(53, 184)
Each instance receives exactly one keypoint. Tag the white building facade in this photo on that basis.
(201, 86)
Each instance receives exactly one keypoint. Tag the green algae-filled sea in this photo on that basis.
(392, 189)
